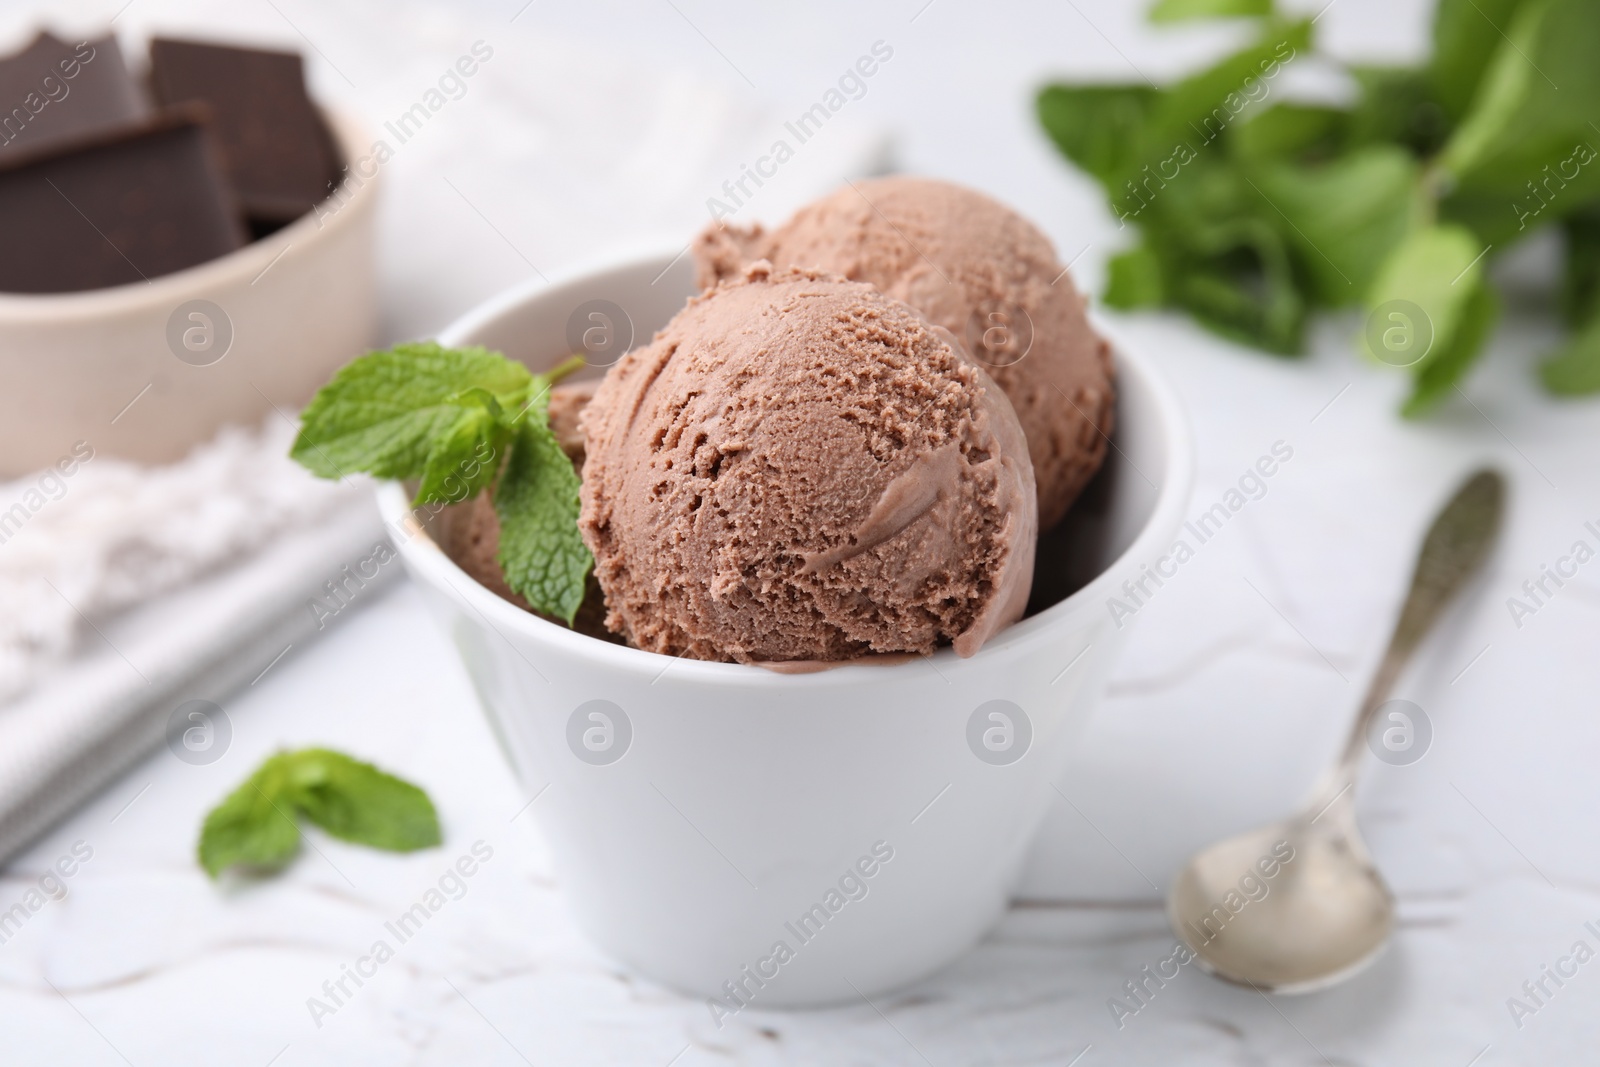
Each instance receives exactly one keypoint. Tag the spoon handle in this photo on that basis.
(1456, 546)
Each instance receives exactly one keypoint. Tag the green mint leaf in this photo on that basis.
(1447, 365)
(1580, 283)
(1178, 10)
(448, 417)
(1574, 368)
(1134, 279)
(1396, 106)
(1164, 161)
(1344, 217)
(1532, 111)
(1205, 106)
(1489, 215)
(1247, 294)
(1225, 258)
(254, 825)
(384, 413)
(1254, 211)
(1466, 34)
(1437, 268)
(465, 456)
(1289, 132)
(541, 552)
(356, 802)
(1220, 257)
(1101, 128)
(1129, 134)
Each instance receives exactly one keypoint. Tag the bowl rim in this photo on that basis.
(251, 260)
(422, 552)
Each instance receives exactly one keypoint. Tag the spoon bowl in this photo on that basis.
(1324, 915)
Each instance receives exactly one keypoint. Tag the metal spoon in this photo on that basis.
(1297, 905)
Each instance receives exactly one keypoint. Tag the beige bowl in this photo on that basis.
(148, 370)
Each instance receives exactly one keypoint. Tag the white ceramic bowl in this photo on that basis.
(736, 799)
(102, 365)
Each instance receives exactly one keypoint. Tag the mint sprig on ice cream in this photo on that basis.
(458, 421)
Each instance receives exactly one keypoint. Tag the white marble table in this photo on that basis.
(1235, 687)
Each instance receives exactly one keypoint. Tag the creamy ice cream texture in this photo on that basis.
(567, 402)
(981, 271)
(801, 468)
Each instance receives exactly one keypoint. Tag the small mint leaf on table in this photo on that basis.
(251, 827)
(357, 802)
(256, 826)
(541, 553)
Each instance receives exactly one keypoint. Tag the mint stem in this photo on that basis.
(570, 365)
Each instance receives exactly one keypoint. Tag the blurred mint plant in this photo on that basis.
(1255, 211)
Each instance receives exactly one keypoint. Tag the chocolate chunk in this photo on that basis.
(125, 207)
(53, 92)
(278, 154)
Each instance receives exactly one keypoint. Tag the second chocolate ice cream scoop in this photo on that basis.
(983, 272)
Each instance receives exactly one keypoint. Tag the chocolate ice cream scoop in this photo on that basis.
(977, 268)
(798, 467)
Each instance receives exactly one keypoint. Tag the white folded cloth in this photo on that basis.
(111, 535)
(134, 590)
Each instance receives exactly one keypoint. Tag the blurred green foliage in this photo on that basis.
(1254, 211)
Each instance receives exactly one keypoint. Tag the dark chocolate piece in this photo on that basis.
(126, 207)
(52, 92)
(278, 154)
